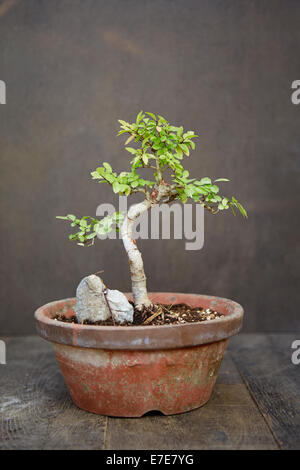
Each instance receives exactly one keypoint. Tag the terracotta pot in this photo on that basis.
(128, 371)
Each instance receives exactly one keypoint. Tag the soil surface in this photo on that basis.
(158, 314)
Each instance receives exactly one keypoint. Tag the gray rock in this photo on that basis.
(121, 309)
(91, 303)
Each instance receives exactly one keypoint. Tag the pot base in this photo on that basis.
(131, 383)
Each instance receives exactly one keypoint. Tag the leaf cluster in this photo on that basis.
(89, 227)
(127, 182)
(157, 145)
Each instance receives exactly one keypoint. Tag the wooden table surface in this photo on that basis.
(255, 404)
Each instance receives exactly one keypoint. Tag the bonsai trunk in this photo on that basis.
(138, 278)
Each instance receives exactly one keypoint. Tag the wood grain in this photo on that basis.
(264, 362)
(36, 411)
(255, 404)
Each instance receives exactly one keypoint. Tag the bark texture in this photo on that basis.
(136, 265)
(138, 278)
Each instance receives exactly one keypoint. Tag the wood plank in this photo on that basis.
(230, 420)
(264, 361)
(36, 411)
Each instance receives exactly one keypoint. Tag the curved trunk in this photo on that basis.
(138, 278)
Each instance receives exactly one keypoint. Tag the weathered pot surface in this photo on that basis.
(128, 371)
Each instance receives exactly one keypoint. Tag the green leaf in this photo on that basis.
(118, 216)
(237, 204)
(185, 149)
(124, 123)
(144, 143)
(189, 135)
(135, 162)
(179, 152)
(131, 150)
(202, 190)
(96, 227)
(122, 132)
(130, 138)
(107, 167)
(157, 145)
(189, 190)
(183, 197)
(180, 131)
(139, 117)
(205, 180)
(242, 210)
(127, 191)
(91, 235)
(116, 187)
(214, 189)
(152, 115)
(96, 175)
(221, 179)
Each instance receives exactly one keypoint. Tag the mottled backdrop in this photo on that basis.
(223, 68)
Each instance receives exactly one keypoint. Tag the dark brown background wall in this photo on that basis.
(223, 68)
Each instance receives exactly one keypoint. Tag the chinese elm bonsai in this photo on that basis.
(170, 365)
(160, 146)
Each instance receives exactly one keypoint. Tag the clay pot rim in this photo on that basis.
(144, 337)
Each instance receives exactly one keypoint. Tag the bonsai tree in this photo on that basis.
(160, 146)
